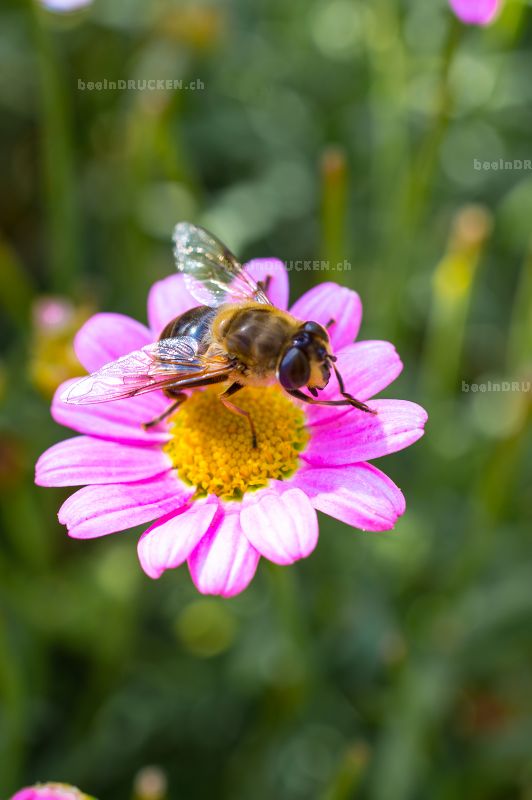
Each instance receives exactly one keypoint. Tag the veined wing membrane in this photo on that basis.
(156, 366)
(212, 273)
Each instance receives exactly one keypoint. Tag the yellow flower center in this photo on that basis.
(211, 447)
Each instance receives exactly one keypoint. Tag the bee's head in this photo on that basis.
(306, 361)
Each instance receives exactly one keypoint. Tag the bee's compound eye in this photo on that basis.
(294, 369)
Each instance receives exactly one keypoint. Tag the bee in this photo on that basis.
(235, 336)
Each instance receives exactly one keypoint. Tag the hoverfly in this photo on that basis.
(235, 337)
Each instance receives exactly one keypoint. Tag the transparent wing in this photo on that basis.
(168, 362)
(212, 273)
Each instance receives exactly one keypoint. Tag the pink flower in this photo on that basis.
(50, 791)
(476, 12)
(62, 6)
(181, 473)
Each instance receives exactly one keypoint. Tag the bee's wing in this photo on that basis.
(169, 362)
(212, 273)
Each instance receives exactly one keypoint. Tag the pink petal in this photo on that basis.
(64, 6)
(167, 300)
(281, 525)
(106, 337)
(260, 268)
(49, 791)
(331, 301)
(119, 420)
(169, 542)
(223, 562)
(359, 436)
(359, 495)
(83, 459)
(367, 368)
(99, 510)
(475, 12)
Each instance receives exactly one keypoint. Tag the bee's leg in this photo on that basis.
(235, 387)
(348, 401)
(354, 402)
(180, 397)
(265, 284)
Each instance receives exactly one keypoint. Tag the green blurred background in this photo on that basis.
(394, 665)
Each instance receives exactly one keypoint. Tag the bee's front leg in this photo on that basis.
(180, 397)
(235, 387)
(349, 397)
(348, 400)
(265, 284)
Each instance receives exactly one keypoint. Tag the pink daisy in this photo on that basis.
(476, 12)
(64, 5)
(50, 791)
(218, 504)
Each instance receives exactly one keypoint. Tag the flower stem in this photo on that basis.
(520, 335)
(333, 206)
(452, 289)
(57, 158)
(399, 258)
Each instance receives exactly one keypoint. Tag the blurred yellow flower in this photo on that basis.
(52, 358)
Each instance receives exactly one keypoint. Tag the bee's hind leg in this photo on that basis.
(180, 397)
(235, 387)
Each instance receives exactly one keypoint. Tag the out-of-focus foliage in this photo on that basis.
(389, 665)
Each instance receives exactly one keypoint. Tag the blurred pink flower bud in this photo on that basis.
(50, 791)
(64, 5)
(476, 12)
(53, 313)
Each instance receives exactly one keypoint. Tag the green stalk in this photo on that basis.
(12, 702)
(519, 350)
(453, 284)
(350, 773)
(419, 179)
(57, 163)
(16, 290)
(334, 206)
(390, 156)
(412, 198)
(286, 595)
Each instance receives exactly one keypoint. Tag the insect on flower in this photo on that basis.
(235, 337)
(223, 485)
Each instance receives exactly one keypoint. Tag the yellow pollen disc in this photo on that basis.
(211, 447)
